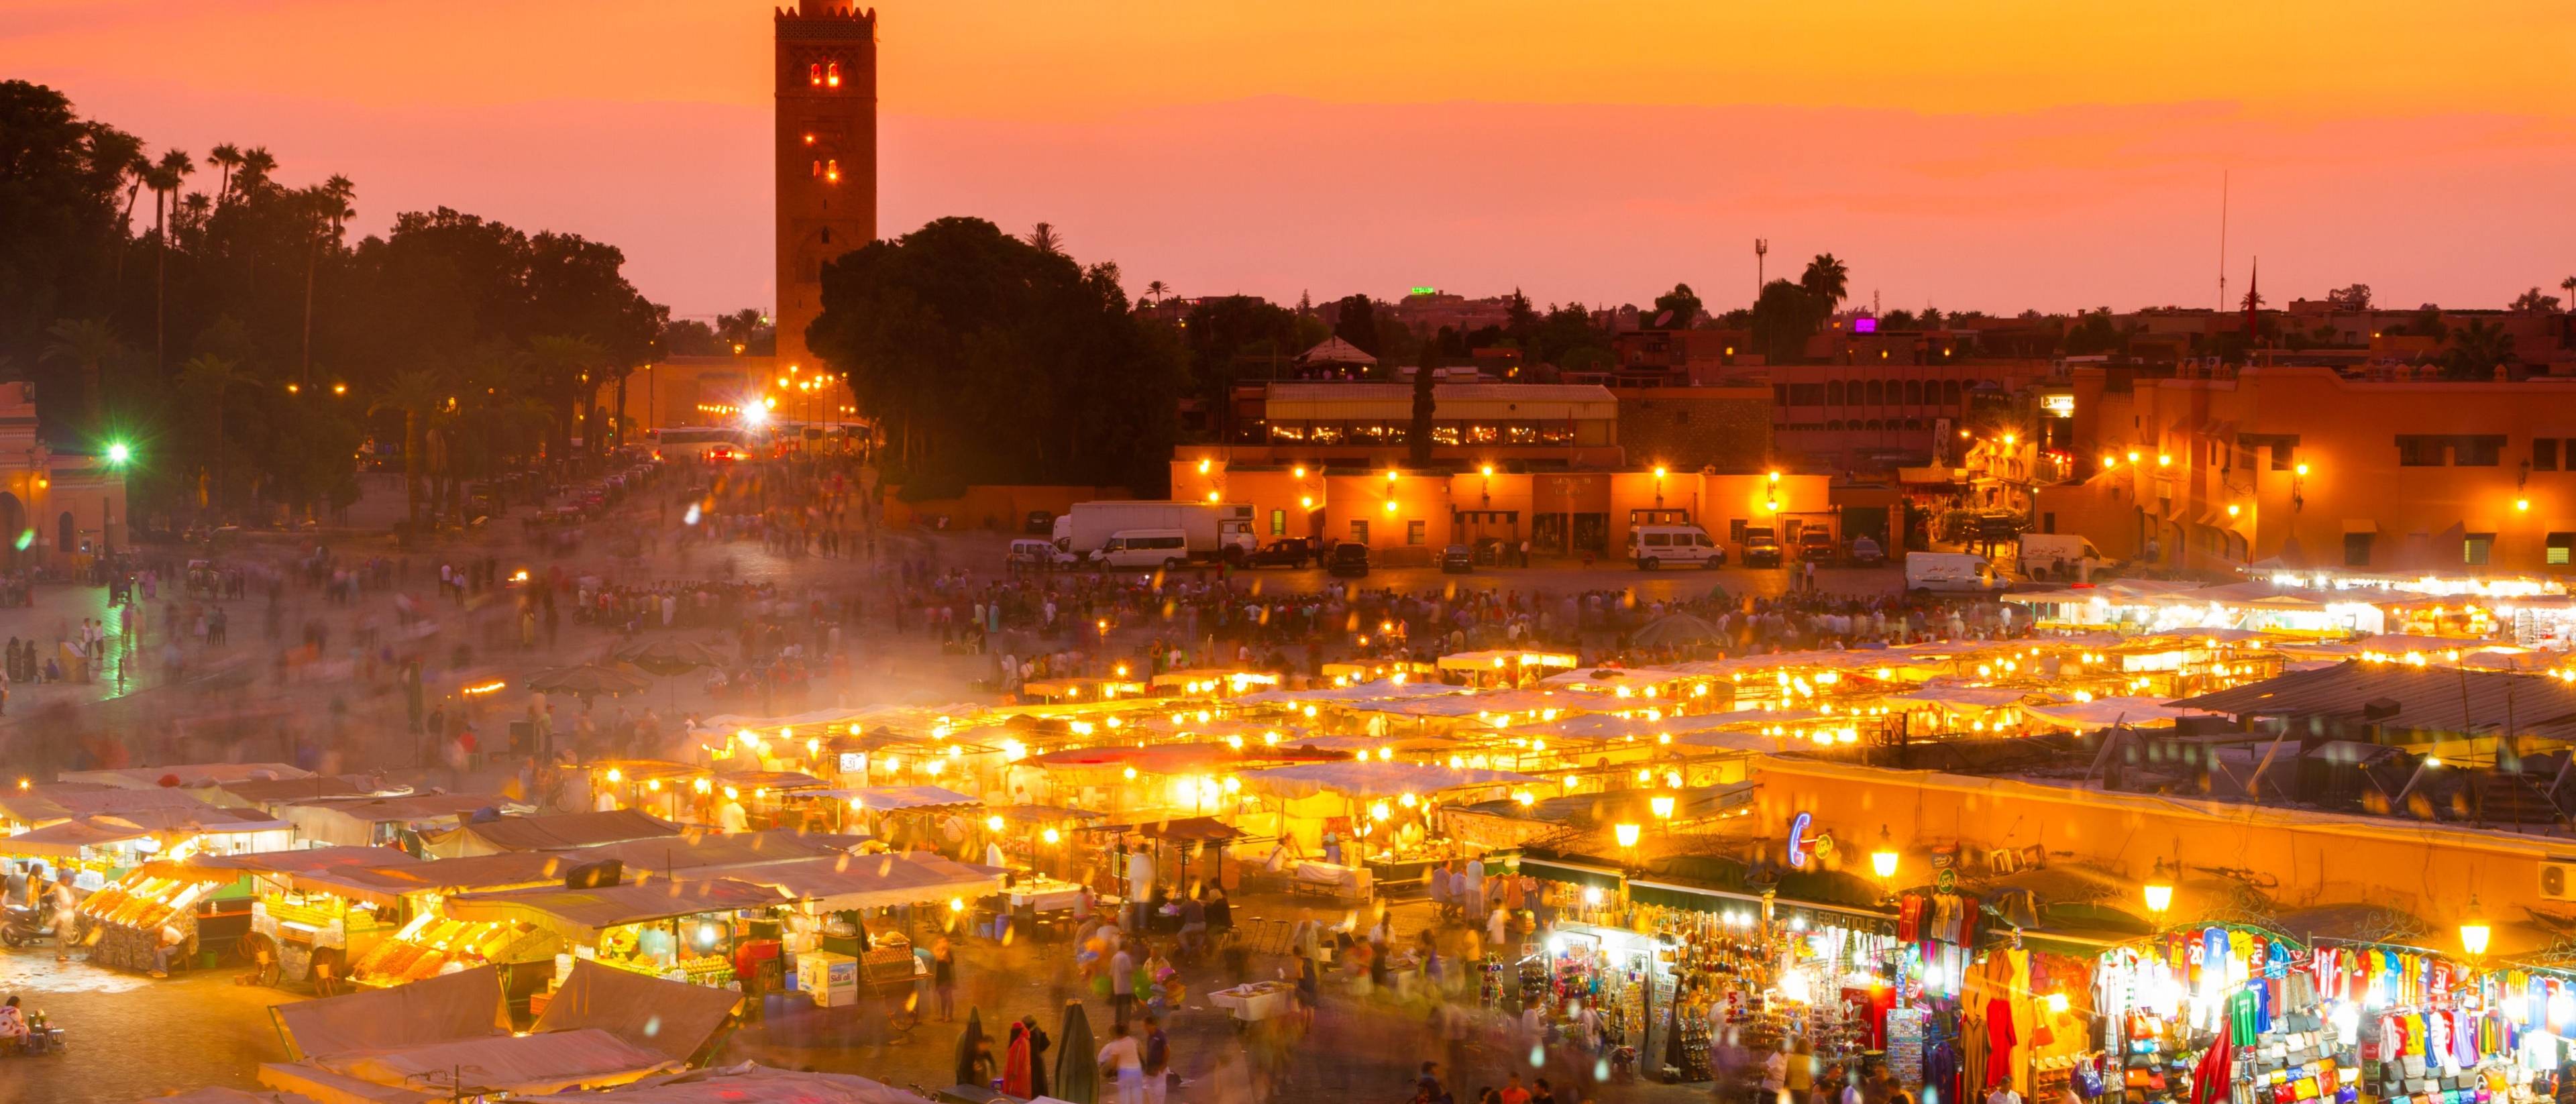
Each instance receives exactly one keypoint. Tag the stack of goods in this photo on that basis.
(711, 969)
(428, 945)
(129, 918)
(1905, 1045)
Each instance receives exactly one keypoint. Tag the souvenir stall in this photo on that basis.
(2224, 1010)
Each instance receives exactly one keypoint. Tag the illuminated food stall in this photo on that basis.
(388, 821)
(560, 832)
(678, 930)
(429, 942)
(1503, 668)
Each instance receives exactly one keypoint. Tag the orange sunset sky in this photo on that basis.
(1993, 155)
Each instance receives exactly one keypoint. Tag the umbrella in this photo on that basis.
(668, 657)
(1077, 1061)
(1677, 628)
(967, 1041)
(585, 679)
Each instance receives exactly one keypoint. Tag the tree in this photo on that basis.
(1677, 309)
(1898, 319)
(328, 206)
(1158, 290)
(211, 378)
(2094, 334)
(1784, 315)
(1355, 321)
(166, 178)
(2352, 298)
(88, 343)
(2533, 302)
(1933, 319)
(2425, 322)
(558, 365)
(2476, 351)
(228, 158)
(415, 395)
(1426, 376)
(738, 329)
(988, 359)
(1044, 238)
(1827, 281)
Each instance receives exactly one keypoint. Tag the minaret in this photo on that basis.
(827, 156)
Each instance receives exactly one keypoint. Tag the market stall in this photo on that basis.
(677, 930)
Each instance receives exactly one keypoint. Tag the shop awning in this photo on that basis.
(748, 1083)
(771, 780)
(467, 1004)
(1558, 870)
(386, 885)
(581, 914)
(699, 850)
(674, 1018)
(1197, 829)
(534, 1063)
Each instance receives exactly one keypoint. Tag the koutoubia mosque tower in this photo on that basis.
(827, 156)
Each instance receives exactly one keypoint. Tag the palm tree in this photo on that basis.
(1158, 290)
(213, 377)
(226, 157)
(193, 211)
(2477, 349)
(328, 203)
(256, 164)
(738, 328)
(137, 168)
(2569, 285)
(1827, 279)
(416, 394)
(174, 168)
(1044, 237)
(88, 343)
(2533, 302)
(561, 365)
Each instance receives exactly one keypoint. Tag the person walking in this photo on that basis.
(1122, 985)
(943, 978)
(1158, 1061)
(1124, 1062)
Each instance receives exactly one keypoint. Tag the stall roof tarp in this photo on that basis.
(548, 833)
(1150, 759)
(216, 1094)
(1511, 661)
(1500, 701)
(2446, 700)
(464, 1005)
(2085, 716)
(1971, 697)
(263, 791)
(352, 823)
(748, 1083)
(67, 839)
(1607, 727)
(882, 799)
(63, 801)
(581, 914)
(874, 881)
(186, 774)
(386, 885)
(1197, 829)
(696, 850)
(1376, 778)
(537, 1063)
(671, 1017)
(1363, 693)
(326, 1087)
(771, 780)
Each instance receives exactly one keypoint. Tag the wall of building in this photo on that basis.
(64, 506)
(2207, 444)
(1726, 428)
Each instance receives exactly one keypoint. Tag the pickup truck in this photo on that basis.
(1761, 547)
(1290, 552)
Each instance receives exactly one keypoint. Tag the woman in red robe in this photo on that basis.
(1015, 1063)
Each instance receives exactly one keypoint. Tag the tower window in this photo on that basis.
(827, 235)
(814, 74)
(832, 75)
(818, 168)
(832, 171)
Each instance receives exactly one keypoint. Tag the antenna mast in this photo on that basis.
(1761, 248)
(2222, 240)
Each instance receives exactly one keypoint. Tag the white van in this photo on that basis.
(1038, 554)
(2062, 556)
(1951, 573)
(1146, 548)
(1653, 546)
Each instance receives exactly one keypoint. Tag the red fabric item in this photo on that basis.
(1909, 917)
(1015, 1067)
(2211, 1076)
(1999, 1041)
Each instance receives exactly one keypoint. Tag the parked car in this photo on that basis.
(1929, 573)
(1761, 546)
(1033, 554)
(1040, 523)
(1865, 552)
(1817, 546)
(1652, 546)
(1285, 552)
(1348, 558)
(1457, 559)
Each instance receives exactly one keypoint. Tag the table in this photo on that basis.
(1328, 878)
(1255, 1002)
(1045, 895)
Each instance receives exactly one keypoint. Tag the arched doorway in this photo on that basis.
(66, 535)
(13, 521)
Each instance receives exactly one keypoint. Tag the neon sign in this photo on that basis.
(1803, 848)
(1426, 291)
(1864, 325)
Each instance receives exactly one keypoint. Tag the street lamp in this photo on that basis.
(2474, 932)
(1627, 835)
(118, 453)
(2159, 891)
(1663, 806)
(1883, 861)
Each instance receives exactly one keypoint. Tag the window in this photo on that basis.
(1735, 530)
(1914, 392)
(1278, 523)
(2282, 458)
(1950, 392)
(2476, 550)
(2356, 549)
(2423, 452)
(2544, 454)
(827, 235)
(1834, 393)
(2484, 451)
(1876, 391)
(1416, 531)
(2562, 550)
(1806, 394)
(1359, 530)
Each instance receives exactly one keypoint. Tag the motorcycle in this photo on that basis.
(22, 925)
